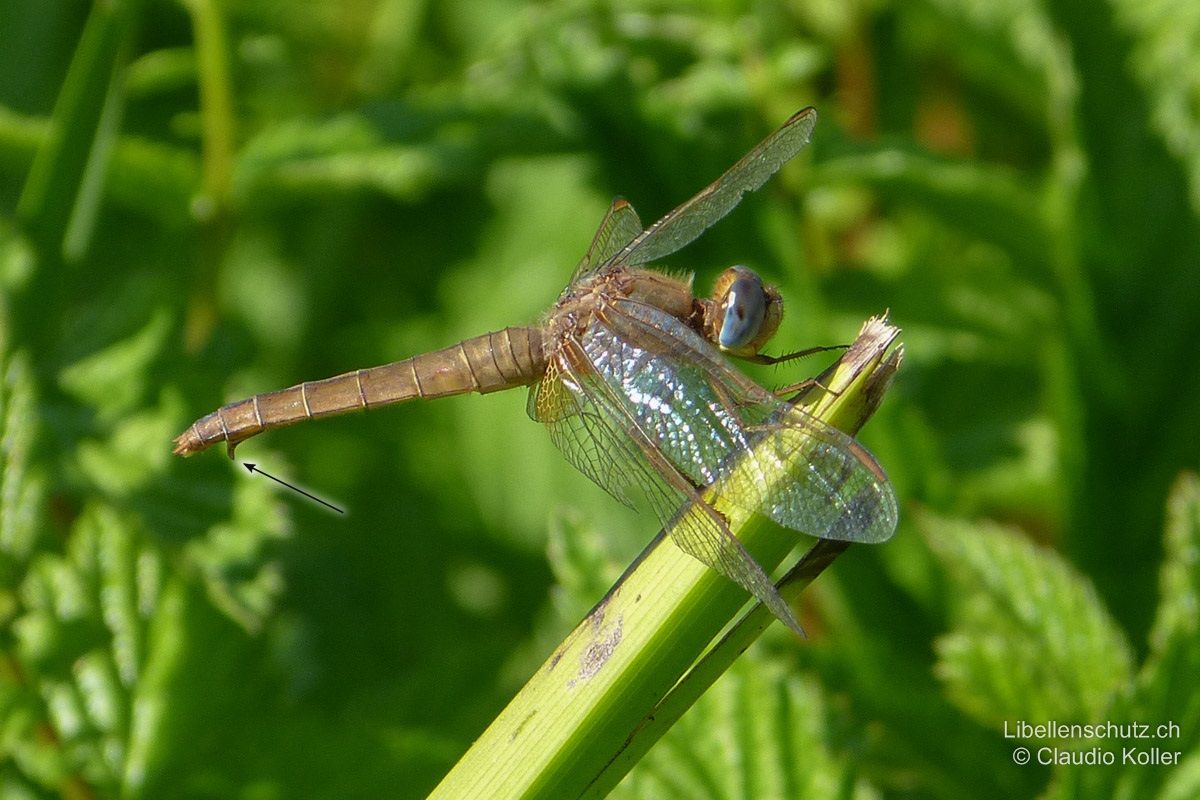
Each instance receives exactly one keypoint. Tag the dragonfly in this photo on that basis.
(630, 374)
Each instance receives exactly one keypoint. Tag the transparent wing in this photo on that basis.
(691, 219)
(585, 432)
(594, 428)
(718, 428)
(618, 228)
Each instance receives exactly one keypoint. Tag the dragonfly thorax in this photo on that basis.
(574, 311)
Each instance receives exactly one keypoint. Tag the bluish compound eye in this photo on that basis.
(745, 307)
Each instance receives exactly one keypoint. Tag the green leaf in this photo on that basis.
(22, 495)
(114, 379)
(1032, 640)
(21, 492)
(1177, 623)
(1163, 696)
(131, 455)
(991, 202)
(1011, 45)
(1183, 783)
(342, 154)
(161, 71)
(81, 640)
(98, 619)
(1165, 691)
(1163, 33)
(236, 558)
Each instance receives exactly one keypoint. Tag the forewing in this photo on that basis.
(597, 430)
(720, 428)
(688, 221)
(618, 228)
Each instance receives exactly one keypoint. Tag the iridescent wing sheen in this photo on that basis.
(638, 372)
(688, 221)
(618, 228)
(719, 428)
(596, 430)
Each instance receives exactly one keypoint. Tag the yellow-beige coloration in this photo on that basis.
(629, 375)
(501, 360)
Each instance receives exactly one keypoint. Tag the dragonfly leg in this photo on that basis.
(763, 358)
(794, 390)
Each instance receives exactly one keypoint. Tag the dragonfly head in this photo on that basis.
(747, 312)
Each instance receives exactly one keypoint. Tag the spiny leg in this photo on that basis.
(763, 358)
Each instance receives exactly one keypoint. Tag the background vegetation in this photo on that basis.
(200, 200)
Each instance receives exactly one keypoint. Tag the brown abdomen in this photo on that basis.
(500, 360)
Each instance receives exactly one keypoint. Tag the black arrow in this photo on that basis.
(252, 468)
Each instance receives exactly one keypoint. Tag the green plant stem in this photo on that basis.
(211, 207)
(577, 726)
(711, 666)
(216, 106)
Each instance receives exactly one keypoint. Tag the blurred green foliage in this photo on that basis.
(201, 200)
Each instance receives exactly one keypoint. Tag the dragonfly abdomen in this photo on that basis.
(500, 360)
